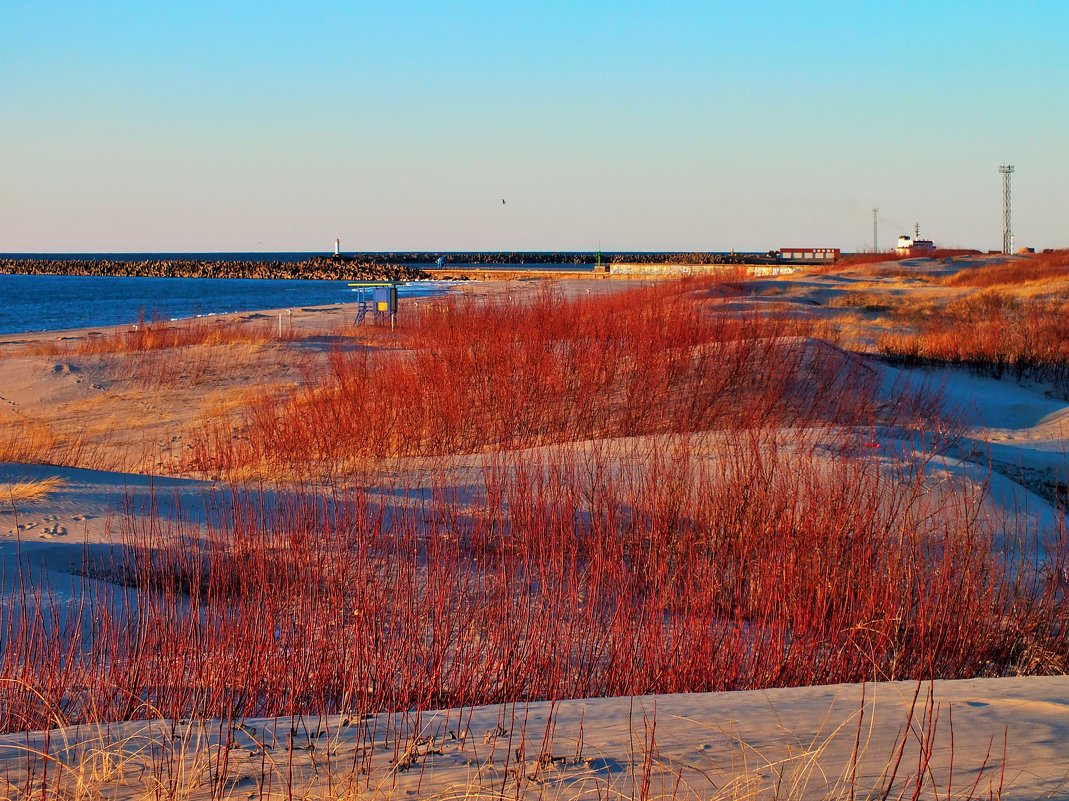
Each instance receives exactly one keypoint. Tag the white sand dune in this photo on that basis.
(1003, 737)
(49, 540)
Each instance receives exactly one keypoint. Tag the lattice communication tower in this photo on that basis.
(1007, 230)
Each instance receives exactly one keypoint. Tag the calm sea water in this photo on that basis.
(52, 302)
(288, 256)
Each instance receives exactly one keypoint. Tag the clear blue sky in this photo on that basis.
(652, 125)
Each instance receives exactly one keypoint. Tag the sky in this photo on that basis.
(268, 126)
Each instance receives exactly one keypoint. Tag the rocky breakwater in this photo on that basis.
(671, 258)
(550, 258)
(324, 269)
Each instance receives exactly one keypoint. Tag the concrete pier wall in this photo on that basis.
(666, 270)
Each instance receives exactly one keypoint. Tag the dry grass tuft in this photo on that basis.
(25, 440)
(865, 301)
(31, 440)
(29, 491)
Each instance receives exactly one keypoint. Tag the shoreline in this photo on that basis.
(498, 282)
(302, 315)
(342, 311)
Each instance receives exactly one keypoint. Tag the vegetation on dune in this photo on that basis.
(155, 335)
(1009, 273)
(558, 575)
(1035, 269)
(637, 493)
(992, 333)
(466, 377)
(1006, 318)
(861, 259)
(175, 368)
(27, 440)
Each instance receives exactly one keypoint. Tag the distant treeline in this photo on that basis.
(327, 269)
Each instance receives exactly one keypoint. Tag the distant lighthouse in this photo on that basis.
(337, 247)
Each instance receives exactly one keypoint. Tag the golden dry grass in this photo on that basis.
(29, 491)
(155, 336)
(867, 301)
(52, 439)
(135, 418)
(24, 439)
(1045, 269)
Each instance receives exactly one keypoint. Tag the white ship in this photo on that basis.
(914, 245)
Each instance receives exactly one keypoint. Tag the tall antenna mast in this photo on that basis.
(1007, 229)
(875, 243)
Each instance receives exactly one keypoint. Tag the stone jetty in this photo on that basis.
(400, 266)
(329, 269)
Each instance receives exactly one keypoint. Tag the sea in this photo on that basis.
(30, 303)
